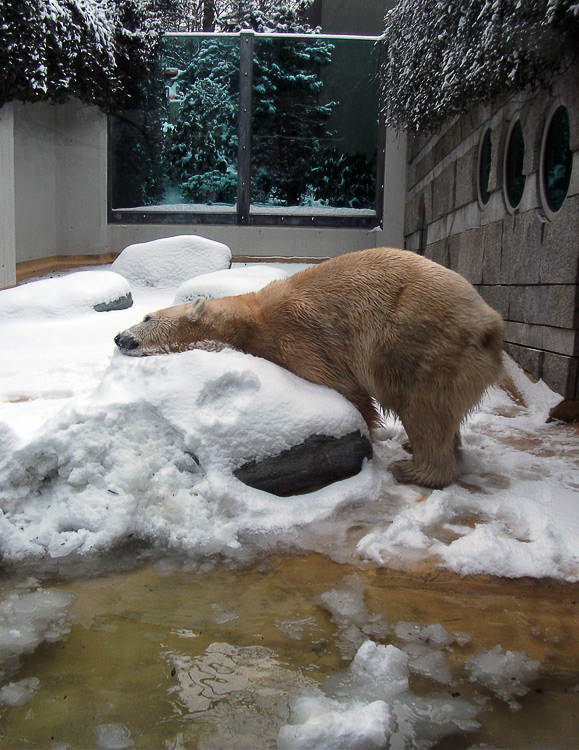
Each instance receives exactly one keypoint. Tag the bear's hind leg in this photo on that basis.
(434, 437)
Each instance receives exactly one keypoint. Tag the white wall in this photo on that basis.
(59, 180)
(53, 197)
(7, 218)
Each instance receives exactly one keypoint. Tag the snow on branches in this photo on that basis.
(442, 56)
(92, 49)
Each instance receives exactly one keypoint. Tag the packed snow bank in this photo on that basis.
(170, 261)
(227, 283)
(513, 510)
(74, 294)
(151, 455)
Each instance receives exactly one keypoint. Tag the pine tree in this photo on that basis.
(95, 50)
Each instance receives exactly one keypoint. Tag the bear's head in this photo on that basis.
(174, 329)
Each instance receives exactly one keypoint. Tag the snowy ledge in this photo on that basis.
(255, 210)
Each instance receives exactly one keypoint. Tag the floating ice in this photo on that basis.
(113, 737)
(19, 693)
(170, 261)
(370, 705)
(230, 282)
(345, 603)
(29, 618)
(506, 674)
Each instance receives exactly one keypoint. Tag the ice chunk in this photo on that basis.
(345, 604)
(370, 705)
(506, 674)
(324, 723)
(28, 619)
(113, 737)
(229, 282)
(170, 261)
(19, 693)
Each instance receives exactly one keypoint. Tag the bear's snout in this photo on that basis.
(126, 341)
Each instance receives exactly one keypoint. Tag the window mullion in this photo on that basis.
(244, 126)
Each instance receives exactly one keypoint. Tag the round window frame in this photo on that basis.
(512, 125)
(485, 130)
(546, 209)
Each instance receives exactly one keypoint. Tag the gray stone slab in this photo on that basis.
(522, 248)
(443, 192)
(121, 303)
(318, 461)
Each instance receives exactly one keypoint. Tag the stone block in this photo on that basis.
(468, 247)
(521, 249)
(560, 251)
(466, 167)
(498, 297)
(318, 461)
(531, 360)
(560, 374)
(448, 141)
(552, 305)
(557, 340)
(492, 250)
(438, 252)
(443, 189)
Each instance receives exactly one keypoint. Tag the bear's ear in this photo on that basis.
(197, 307)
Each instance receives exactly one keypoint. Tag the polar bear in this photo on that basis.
(380, 326)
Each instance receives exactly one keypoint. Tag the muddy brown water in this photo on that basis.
(189, 659)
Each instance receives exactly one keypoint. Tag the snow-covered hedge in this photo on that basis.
(95, 50)
(443, 56)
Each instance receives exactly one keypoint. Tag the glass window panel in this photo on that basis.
(315, 124)
(178, 149)
(558, 159)
(515, 179)
(485, 167)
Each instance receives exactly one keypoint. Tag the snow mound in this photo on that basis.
(74, 294)
(228, 283)
(170, 261)
(371, 706)
(151, 456)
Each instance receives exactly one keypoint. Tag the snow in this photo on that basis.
(63, 296)
(98, 448)
(170, 261)
(220, 283)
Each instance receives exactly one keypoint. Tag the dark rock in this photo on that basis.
(121, 303)
(318, 461)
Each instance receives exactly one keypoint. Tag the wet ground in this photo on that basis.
(163, 657)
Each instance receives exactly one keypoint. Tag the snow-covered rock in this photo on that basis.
(72, 294)
(152, 454)
(230, 282)
(170, 261)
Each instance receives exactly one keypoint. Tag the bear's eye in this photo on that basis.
(147, 318)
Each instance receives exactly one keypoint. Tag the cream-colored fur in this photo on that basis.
(379, 324)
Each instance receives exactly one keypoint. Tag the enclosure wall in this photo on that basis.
(523, 259)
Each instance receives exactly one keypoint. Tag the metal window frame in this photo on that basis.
(242, 213)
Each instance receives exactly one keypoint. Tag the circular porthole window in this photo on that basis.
(513, 177)
(556, 161)
(484, 167)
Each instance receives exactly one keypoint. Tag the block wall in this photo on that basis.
(524, 261)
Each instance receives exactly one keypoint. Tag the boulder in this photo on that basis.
(317, 461)
(170, 261)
